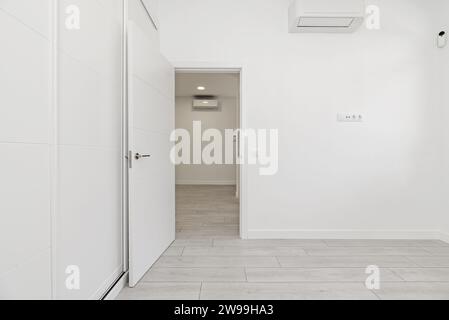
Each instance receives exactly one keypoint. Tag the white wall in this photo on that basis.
(443, 24)
(224, 119)
(376, 179)
(25, 108)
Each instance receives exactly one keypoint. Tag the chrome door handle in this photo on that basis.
(140, 156)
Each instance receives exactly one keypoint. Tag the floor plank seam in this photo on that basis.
(375, 293)
(279, 262)
(201, 291)
(396, 274)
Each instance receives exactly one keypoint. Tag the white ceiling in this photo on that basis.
(216, 84)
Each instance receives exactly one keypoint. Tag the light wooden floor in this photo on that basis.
(209, 261)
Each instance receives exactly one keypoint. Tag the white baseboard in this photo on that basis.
(346, 234)
(206, 182)
(119, 286)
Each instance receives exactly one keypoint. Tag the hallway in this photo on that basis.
(209, 261)
(206, 213)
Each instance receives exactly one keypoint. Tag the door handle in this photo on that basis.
(140, 156)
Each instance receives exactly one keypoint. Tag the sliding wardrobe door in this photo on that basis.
(25, 109)
(88, 225)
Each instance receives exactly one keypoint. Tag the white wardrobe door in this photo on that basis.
(89, 218)
(25, 219)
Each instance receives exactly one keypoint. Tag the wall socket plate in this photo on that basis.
(350, 117)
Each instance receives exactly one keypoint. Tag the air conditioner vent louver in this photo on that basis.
(321, 22)
(325, 16)
(205, 103)
(205, 97)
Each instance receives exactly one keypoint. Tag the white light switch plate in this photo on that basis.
(350, 117)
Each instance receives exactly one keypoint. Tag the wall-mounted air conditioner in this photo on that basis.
(205, 104)
(326, 16)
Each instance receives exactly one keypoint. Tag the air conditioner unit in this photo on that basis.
(205, 104)
(326, 16)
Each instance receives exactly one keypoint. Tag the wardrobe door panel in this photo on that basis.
(88, 229)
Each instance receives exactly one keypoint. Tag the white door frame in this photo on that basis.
(196, 67)
(125, 134)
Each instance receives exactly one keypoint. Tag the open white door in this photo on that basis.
(151, 174)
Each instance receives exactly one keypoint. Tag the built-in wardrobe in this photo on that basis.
(61, 207)
(64, 164)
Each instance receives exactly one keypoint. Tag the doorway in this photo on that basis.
(207, 111)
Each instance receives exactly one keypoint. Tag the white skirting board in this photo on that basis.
(206, 183)
(348, 234)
